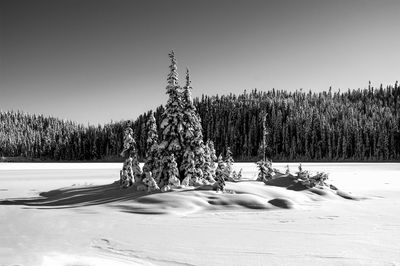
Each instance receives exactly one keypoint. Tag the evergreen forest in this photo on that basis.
(352, 125)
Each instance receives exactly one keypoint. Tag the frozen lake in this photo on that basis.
(14, 177)
(316, 231)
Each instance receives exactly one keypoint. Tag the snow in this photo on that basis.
(58, 166)
(84, 219)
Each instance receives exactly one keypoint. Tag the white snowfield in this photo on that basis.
(58, 166)
(82, 218)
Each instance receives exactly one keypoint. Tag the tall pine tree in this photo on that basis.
(193, 138)
(172, 129)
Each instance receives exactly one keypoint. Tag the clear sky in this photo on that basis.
(96, 61)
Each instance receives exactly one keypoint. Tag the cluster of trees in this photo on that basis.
(181, 134)
(359, 125)
(180, 157)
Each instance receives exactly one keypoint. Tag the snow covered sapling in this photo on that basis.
(319, 180)
(265, 171)
(262, 170)
(237, 176)
(228, 158)
(302, 174)
(172, 173)
(271, 171)
(304, 178)
(287, 170)
(228, 165)
(130, 167)
(220, 167)
(219, 185)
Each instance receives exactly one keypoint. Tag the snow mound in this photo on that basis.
(280, 193)
(68, 260)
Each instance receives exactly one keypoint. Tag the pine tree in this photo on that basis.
(219, 175)
(221, 168)
(262, 170)
(172, 128)
(152, 151)
(228, 165)
(193, 138)
(131, 170)
(208, 171)
(239, 175)
(265, 171)
(228, 156)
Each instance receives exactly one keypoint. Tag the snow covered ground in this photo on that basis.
(82, 218)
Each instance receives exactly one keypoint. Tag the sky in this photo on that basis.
(93, 61)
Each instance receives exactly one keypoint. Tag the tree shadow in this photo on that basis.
(73, 197)
(286, 181)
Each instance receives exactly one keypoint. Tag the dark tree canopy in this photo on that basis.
(359, 125)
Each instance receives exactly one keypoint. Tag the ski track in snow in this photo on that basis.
(110, 247)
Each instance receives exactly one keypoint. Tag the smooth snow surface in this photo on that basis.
(82, 218)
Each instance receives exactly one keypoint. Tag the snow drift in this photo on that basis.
(282, 192)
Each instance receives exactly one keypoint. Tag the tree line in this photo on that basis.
(33, 136)
(354, 125)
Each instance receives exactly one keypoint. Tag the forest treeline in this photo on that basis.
(355, 125)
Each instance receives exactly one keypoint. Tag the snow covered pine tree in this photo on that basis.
(129, 153)
(193, 137)
(219, 185)
(228, 174)
(172, 130)
(151, 164)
